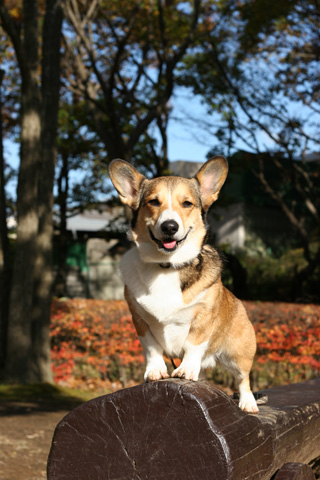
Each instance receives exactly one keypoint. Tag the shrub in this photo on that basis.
(95, 345)
(288, 342)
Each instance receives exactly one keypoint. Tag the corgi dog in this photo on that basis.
(172, 278)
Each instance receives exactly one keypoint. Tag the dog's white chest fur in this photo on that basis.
(159, 299)
(155, 289)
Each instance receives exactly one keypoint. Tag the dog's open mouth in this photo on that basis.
(168, 244)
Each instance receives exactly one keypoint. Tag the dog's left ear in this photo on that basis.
(211, 177)
(127, 181)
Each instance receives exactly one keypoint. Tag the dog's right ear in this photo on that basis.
(127, 181)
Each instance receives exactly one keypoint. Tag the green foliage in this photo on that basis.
(262, 17)
(257, 70)
(270, 274)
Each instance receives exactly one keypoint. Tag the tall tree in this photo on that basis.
(4, 245)
(28, 347)
(262, 78)
(8, 114)
(124, 57)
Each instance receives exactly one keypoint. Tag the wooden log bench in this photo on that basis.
(176, 429)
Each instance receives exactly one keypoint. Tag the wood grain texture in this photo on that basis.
(176, 429)
(295, 471)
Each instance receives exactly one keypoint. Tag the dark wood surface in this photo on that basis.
(176, 429)
(294, 471)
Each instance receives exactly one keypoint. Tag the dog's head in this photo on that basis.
(168, 212)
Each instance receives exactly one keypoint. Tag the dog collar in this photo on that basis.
(165, 265)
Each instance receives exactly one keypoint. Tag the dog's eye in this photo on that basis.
(154, 202)
(187, 204)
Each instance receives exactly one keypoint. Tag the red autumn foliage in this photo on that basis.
(288, 341)
(94, 343)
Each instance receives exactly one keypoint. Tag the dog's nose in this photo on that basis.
(169, 227)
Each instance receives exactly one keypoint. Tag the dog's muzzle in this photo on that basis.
(168, 243)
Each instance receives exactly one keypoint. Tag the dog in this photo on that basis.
(172, 278)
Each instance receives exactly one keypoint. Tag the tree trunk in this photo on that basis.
(4, 249)
(19, 328)
(60, 285)
(41, 360)
(28, 340)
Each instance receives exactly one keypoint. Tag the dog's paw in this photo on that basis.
(155, 374)
(247, 403)
(186, 372)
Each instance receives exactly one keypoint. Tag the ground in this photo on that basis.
(25, 437)
(28, 417)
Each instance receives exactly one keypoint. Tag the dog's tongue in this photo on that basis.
(170, 245)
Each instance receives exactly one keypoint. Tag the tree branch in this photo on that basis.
(13, 33)
(289, 213)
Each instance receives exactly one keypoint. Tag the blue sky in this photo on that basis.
(188, 133)
(183, 145)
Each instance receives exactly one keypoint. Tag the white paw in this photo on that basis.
(184, 371)
(247, 403)
(155, 374)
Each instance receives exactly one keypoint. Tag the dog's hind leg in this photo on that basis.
(240, 367)
(247, 401)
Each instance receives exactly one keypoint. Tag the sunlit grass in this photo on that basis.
(44, 393)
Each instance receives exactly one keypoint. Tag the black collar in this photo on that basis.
(165, 265)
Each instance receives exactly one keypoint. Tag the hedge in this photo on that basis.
(95, 346)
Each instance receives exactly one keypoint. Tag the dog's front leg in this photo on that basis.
(191, 363)
(194, 349)
(156, 368)
(153, 352)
